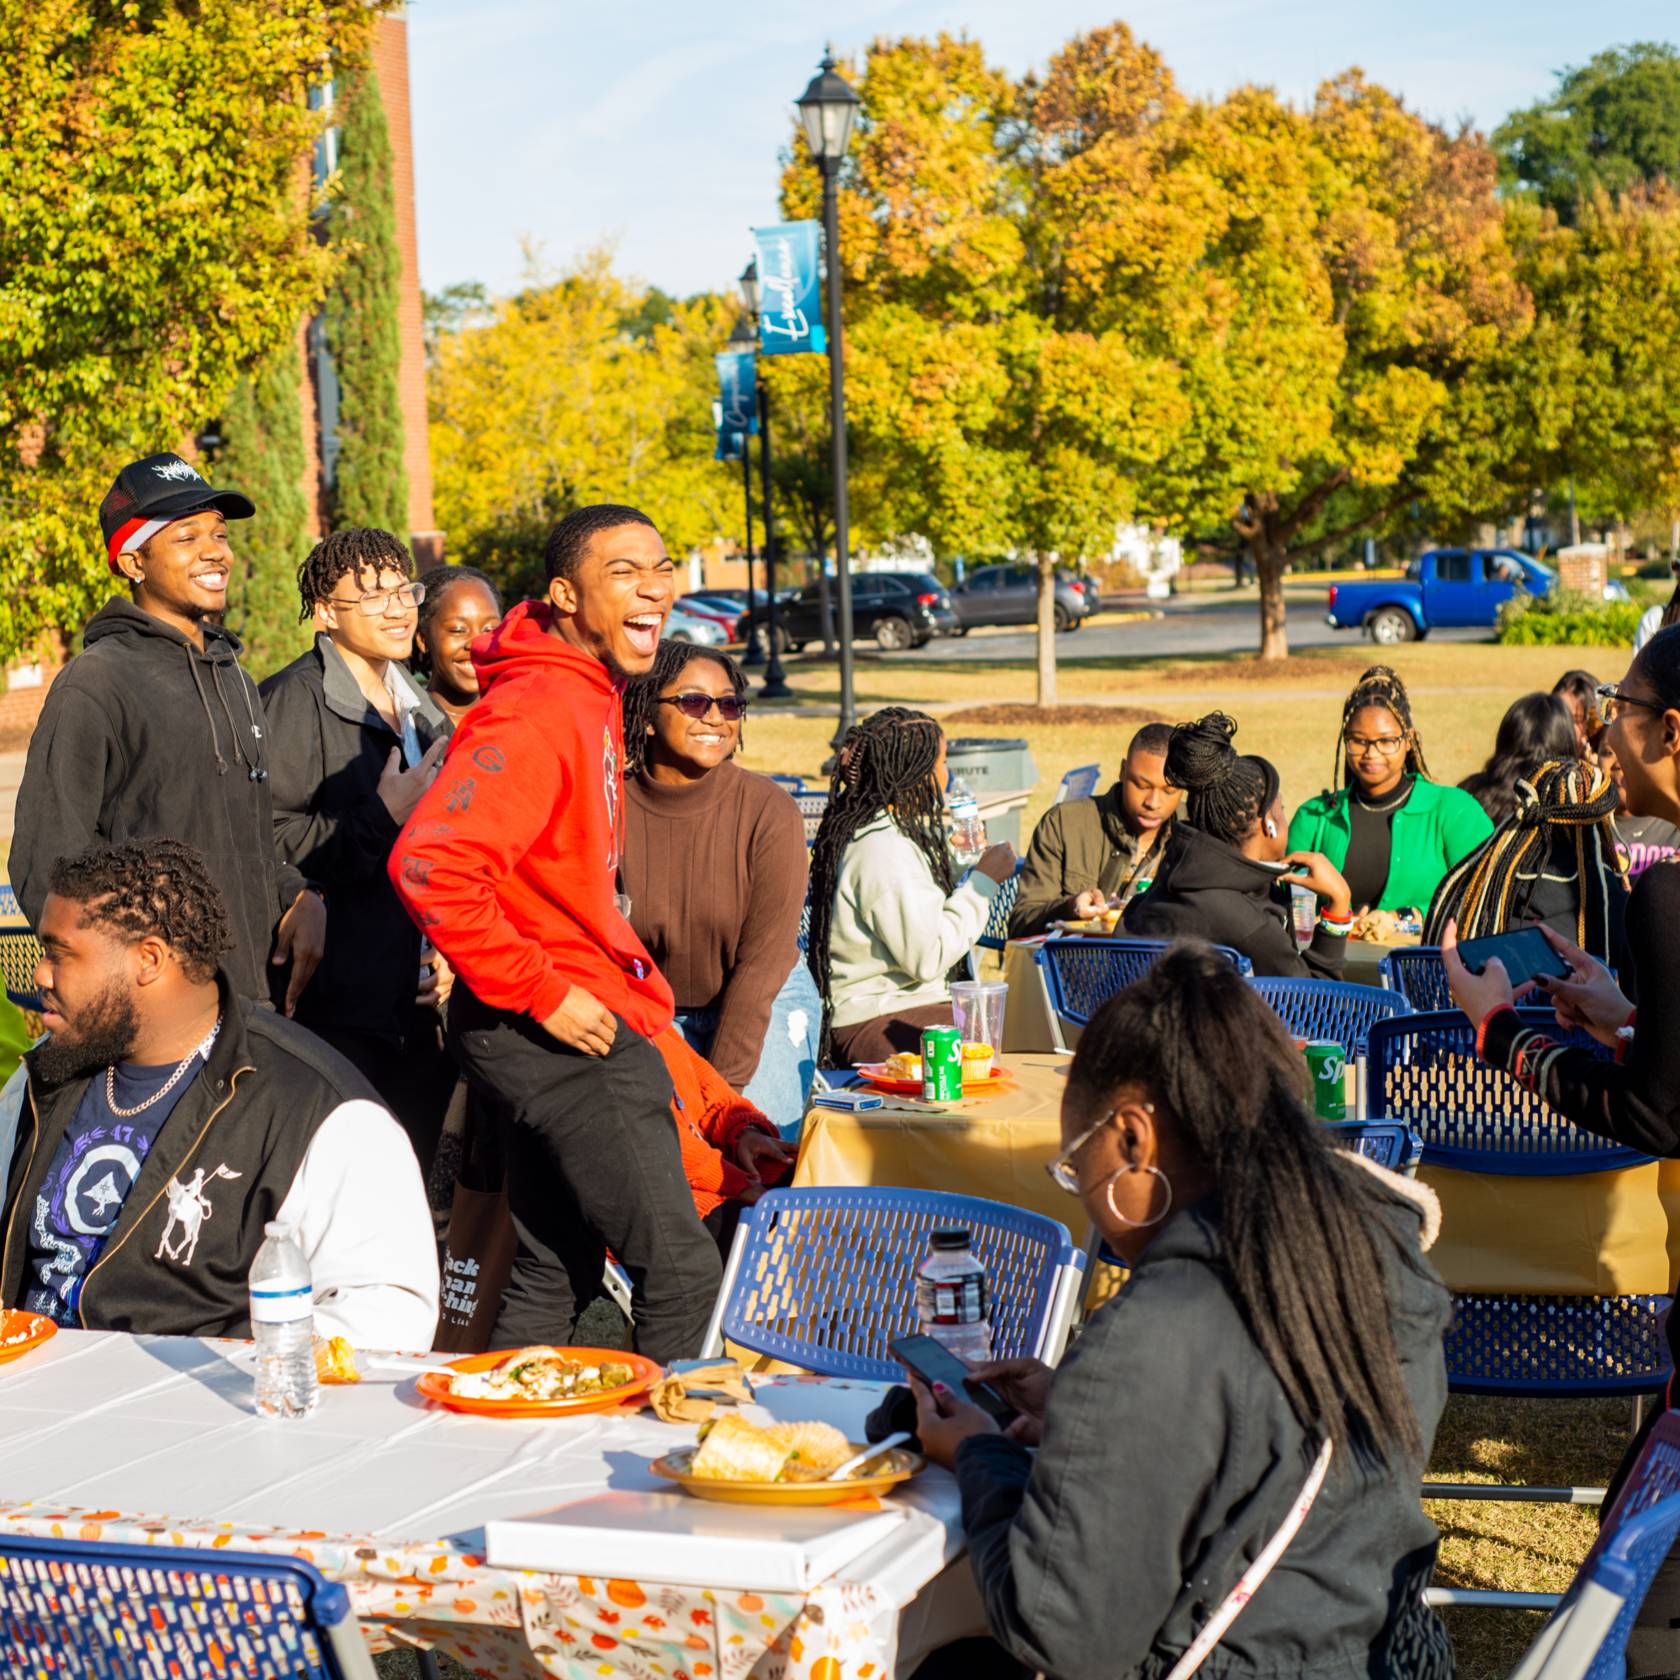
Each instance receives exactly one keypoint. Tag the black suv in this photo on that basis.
(898, 609)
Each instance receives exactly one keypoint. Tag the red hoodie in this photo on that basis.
(509, 863)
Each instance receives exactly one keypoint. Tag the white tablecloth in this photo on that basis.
(154, 1439)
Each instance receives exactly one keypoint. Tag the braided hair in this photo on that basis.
(348, 553)
(1563, 827)
(437, 583)
(1380, 686)
(884, 765)
(1226, 794)
(142, 887)
(641, 693)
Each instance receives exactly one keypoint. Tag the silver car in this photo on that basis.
(691, 627)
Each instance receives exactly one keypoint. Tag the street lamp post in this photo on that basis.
(827, 108)
(743, 338)
(774, 686)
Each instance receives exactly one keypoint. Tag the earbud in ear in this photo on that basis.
(1271, 829)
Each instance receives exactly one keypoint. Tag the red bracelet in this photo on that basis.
(1481, 1031)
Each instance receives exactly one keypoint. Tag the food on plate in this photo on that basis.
(977, 1061)
(539, 1373)
(335, 1360)
(733, 1450)
(1389, 927)
(905, 1065)
(1105, 921)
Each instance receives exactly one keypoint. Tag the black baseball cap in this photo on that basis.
(152, 493)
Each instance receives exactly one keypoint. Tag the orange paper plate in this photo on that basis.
(874, 1075)
(435, 1385)
(21, 1331)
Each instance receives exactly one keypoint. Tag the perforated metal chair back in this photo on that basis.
(9, 908)
(996, 931)
(1423, 1069)
(825, 1278)
(20, 951)
(811, 808)
(1081, 975)
(1334, 1009)
(1079, 783)
(1417, 975)
(107, 1612)
(794, 784)
(1557, 1346)
(805, 922)
(1386, 1142)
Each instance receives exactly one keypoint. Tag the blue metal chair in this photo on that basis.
(1423, 1069)
(1334, 1009)
(825, 1278)
(794, 784)
(1386, 1142)
(9, 908)
(811, 808)
(995, 934)
(1417, 975)
(20, 951)
(1079, 783)
(110, 1612)
(1080, 975)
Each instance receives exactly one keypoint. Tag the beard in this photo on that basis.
(100, 1034)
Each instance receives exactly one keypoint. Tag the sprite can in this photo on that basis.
(1326, 1065)
(941, 1064)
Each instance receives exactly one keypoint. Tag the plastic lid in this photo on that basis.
(955, 1237)
(275, 1229)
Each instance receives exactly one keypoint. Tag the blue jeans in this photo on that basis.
(788, 1062)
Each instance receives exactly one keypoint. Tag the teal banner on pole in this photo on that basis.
(738, 387)
(790, 289)
(731, 445)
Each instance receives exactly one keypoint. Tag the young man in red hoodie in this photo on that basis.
(509, 865)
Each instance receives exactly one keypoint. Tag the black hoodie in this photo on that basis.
(142, 735)
(1206, 889)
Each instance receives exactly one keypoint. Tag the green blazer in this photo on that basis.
(1432, 831)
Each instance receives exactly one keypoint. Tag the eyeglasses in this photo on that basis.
(380, 601)
(1388, 745)
(1061, 1170)
(730, 707)
(1611, 700)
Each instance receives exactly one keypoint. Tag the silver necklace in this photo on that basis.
(163, 1090)
(1398, 800)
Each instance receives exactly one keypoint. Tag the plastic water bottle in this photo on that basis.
(968, 828)
(952, 1300)
(283, 1326)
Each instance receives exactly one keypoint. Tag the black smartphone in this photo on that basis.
(1525, 952)
(933, 1362)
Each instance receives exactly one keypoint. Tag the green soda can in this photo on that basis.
(1326, 1064)
(941, 1064)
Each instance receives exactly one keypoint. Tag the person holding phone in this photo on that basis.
(1282, 1291)
(1635, 1099)
(1224, 869)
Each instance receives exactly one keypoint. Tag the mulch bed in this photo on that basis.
(1298, 667)
(1019, 716)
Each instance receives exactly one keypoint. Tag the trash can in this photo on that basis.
(1000, 773)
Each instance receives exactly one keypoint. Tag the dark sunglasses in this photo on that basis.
(730, 707)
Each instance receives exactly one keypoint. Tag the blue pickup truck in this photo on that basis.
(1443, 587)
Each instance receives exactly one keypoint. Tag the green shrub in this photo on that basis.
(1564, 618)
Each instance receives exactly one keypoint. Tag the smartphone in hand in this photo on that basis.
(933, 1362)
(1526, 953)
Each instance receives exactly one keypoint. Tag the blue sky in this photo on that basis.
(655, 125)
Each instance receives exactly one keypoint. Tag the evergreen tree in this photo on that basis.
(361, 316)
(263, 455)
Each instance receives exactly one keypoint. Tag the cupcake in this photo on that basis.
(976, 1062)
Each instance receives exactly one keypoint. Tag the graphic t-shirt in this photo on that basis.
(92, 1171)
(1642, 841)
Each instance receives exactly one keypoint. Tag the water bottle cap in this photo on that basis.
(276, 1230)
(956, 1237)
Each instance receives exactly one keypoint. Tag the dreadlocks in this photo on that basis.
(641, 693)
(1380, 686)
(348, 553)
(1561, 829)
(143, 887)
(885, 764)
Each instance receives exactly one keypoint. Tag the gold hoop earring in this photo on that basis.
(1139, 1224)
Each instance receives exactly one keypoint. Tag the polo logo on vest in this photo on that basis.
(189, 1208)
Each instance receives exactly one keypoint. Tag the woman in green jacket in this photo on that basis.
(1391, 831)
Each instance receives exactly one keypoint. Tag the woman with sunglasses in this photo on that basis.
(1391, 831)
(1634, 1099)
(714, 867)
(1280, 1313)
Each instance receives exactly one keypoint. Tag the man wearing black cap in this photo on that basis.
(155, 730)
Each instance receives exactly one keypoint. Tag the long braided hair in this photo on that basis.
(885, 764)
(1562, 826)
(1225, 793)
(641, 694)
(1380, 686)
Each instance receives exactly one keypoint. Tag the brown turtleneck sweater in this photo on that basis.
(715, 870)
